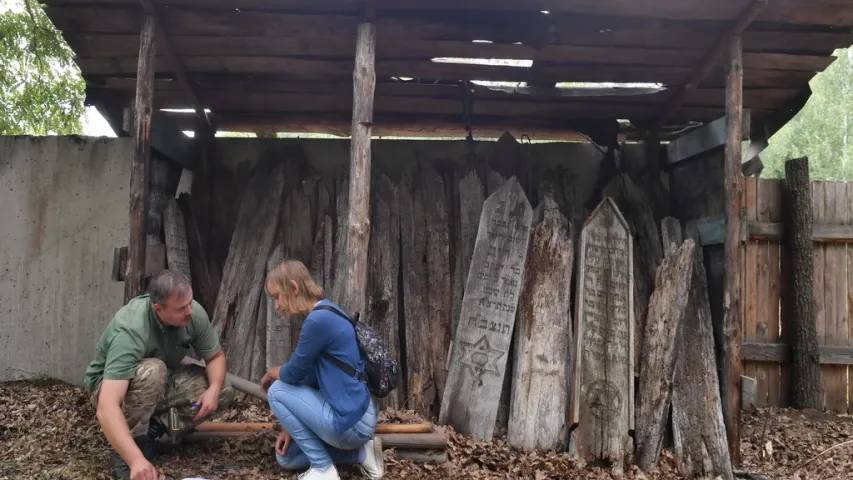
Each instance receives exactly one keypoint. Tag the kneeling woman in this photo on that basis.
(329, 415)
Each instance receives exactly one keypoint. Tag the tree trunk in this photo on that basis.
(697, 413)
(140, 171)
(358, 234)
(667, 307)
(805, 380)
(731, 293)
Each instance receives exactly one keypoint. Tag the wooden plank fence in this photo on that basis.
(765, 352)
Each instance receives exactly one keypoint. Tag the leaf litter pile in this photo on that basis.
(48, 430)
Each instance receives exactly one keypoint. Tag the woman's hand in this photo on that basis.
(282, 443)
(269, 377)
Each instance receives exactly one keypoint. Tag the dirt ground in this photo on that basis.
(48, 432)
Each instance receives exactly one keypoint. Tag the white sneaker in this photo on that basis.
(373, 465)
(331, 473)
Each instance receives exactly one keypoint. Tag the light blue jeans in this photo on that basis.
(308, 417)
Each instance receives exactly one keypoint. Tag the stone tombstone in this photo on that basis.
(602, 406)
(487, 316)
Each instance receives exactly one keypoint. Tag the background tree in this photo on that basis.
(41, 89)
(821, 130)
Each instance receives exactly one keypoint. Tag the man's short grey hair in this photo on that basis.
(166, 283)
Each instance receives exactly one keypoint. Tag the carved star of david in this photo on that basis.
(480, 358)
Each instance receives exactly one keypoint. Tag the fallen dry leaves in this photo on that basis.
(48, 432)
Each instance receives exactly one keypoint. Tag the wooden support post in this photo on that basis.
(805, 381)
(730, 388)
(140, 171)
(358, 229)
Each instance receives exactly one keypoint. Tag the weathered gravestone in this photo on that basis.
(602, 408)
(487, 316)
(540, 387)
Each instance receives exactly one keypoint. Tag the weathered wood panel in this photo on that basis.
(278, 335)
(382, 311)
(174, 229)
(603, 382)
(476, 375)
(848, 202)
(235, 314)
(818, 196)
(667, 308)
(699, 432)
(471, 197)
(424, 227)
(203, 289)
(835, 298)
(543, 337)
(750, 281)
(341, 218)
(770, 210)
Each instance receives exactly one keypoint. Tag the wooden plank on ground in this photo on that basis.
(175, 233)
(752, 294)
(543, 339)
(426, 285)
(475, 378)
(835, 295)
(382, 311)
(819, 211)
(602, 406)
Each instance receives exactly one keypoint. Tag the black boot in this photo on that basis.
(120, 468)
(155, 429)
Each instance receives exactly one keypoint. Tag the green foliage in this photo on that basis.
(41, 89)
(821, 130)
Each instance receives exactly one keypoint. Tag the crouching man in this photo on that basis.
(138, 383)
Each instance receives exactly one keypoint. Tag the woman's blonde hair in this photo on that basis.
(280, 278)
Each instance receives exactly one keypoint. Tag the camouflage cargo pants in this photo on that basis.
(155, 390)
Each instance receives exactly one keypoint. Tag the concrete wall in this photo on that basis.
(63, 209)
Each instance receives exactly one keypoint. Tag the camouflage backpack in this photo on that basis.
(380, 366)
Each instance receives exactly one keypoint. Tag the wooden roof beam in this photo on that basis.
(701, 72)
(180, 69)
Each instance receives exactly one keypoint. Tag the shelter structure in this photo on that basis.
(604, 71)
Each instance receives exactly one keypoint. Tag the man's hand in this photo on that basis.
(269, 378)
(142, 470)
(207, 403)
(282, 443)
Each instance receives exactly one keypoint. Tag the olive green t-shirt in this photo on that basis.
(135, 333)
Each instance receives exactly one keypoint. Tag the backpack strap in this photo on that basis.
(340, 364)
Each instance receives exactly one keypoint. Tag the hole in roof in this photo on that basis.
(182, 110)
(482, 41)
(503, 62)
(659, 86)
(491, 83)
(546, 12)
